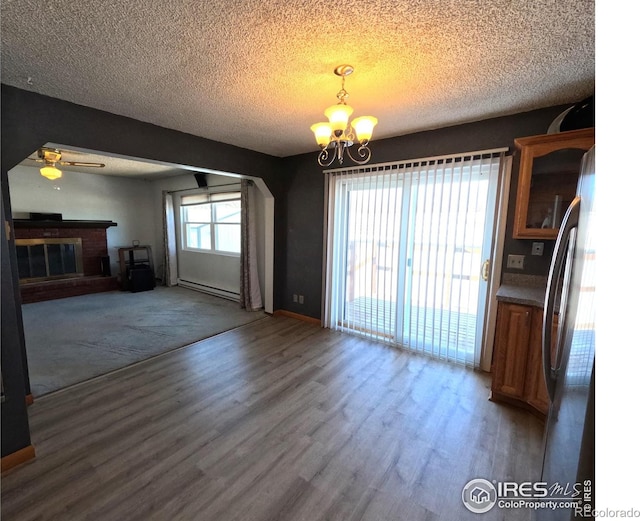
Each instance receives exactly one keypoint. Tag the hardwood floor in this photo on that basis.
(278, 419)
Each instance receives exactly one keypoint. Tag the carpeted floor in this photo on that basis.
(74, 339)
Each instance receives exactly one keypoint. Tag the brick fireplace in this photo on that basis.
(90, 277)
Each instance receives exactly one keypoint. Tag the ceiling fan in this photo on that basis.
(51, 156)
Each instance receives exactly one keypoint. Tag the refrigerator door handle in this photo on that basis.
(569, 222)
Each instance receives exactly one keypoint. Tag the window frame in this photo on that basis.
(211, 200)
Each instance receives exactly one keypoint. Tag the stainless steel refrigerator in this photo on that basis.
(569, 366)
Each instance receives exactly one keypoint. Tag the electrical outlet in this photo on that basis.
(515, 262)
(537, 248)
(300, 299)
(295, 298)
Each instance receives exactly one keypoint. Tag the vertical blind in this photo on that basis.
(404, 247)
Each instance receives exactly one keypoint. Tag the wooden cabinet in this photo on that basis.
(511, 352)
(547, 181)
(517, 358)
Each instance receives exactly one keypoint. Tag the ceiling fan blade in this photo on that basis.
(80, 163)
(36, 159)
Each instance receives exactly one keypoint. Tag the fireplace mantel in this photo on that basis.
(28, 223)
(96, 274)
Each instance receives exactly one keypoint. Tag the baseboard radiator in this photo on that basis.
(218, 292)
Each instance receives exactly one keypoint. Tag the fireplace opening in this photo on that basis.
(49, 259)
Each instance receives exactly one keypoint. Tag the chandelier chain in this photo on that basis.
(342, 93)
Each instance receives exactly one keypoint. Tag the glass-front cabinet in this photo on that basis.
(547, 181)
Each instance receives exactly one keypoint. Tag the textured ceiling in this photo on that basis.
(113, 165)
(257, 74)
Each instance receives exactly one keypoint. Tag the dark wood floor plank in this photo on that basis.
(279, 420)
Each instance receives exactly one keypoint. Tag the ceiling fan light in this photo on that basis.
(363, 127)
(338, 116)
(322, 131)
(50, 172)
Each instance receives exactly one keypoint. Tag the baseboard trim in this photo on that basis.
(17, 458)
(29, 399)
(297, 316)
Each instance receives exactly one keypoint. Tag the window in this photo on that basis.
(197, 226)
(211, 223)
(226, 226)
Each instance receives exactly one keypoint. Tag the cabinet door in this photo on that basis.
(511, 349)
(547, 181)
(536, 389)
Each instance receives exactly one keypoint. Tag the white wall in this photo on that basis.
(214, 271)
(222, 272)
(136, 206)
(261, 239)
(90, 196)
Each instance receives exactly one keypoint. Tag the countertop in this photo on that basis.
(522, 289)
(525, 295)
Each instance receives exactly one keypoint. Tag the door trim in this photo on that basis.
(495, 268)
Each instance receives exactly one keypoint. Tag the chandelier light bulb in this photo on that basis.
(338, 116)
(323, 133)
(363, 127)
(337, 134)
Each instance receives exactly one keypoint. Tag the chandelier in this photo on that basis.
(338, 135)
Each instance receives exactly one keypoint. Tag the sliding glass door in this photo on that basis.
(405, 250)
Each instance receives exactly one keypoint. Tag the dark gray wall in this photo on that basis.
(15, 425)
(29, 120)
(306, 195)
